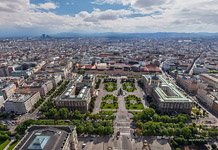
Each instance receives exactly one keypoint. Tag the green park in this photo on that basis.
(129, 86)
(110, 86)
(109, 102)
(180, 127)
(133, 103)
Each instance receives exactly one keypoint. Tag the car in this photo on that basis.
(93, 136)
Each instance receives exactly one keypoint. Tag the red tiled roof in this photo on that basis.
(151, 68)
(104, 55)
(88, 67)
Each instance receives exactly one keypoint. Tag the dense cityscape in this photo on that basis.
(104, 93)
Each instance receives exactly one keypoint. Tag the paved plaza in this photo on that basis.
(121, 123)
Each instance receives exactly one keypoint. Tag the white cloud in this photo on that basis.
(98, 15)
(123, 2)
(140, 6)
(45, 6)
(174, 15)
(148, 3)
(13, 5)
(133, 3)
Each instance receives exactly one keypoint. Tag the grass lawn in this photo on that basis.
(109, 106)
(129, 87)
(109, 97)
(133, 103)
(12, 145)
(109, 102)
(134, 113)
(110, 86)
(106, 112)
(135, 106)
(3, 144)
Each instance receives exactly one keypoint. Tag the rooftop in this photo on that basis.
(212, 77)
(44, 138)
(19, 98)
(167, 91)
(39, 142)
(76, 90)
(69, 93)
(4, 85)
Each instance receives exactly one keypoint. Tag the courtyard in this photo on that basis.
(129, 86)
(110, 86)
(116, 92)
(133, 103)
(109, 101)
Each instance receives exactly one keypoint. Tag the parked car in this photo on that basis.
(84, 145)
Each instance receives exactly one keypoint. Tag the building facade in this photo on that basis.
(7, 90)
(21, 103)
(75, 98)
(167, 98)
(49, 138)
(187, 83)
(43, 87)
(78, 93)
(210, 79)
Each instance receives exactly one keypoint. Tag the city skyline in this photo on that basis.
(115, 91)
(34, 17)
(109, 74)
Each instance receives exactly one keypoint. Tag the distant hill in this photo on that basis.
(140, 35)
(116, 35)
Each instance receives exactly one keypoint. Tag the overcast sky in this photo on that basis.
(32, 17)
